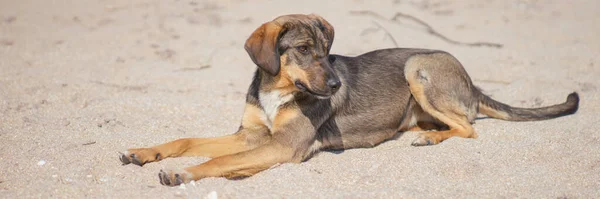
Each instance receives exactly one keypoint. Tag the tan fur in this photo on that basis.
(207, 147)
(263, 42)
(283, 117)
(284, 81)
(251, 118)
(447, 111)
(244, 161)
(242, 164)
(486, 110)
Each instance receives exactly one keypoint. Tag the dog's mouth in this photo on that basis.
(304, 88)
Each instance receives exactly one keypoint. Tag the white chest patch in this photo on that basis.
(271, 101)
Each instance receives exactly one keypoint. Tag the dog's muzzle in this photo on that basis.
(333, 87)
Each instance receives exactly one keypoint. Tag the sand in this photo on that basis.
(82, 80)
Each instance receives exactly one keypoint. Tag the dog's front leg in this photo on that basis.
(292, 137)
(206, 147)
(251, 134)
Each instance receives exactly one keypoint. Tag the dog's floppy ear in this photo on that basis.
(262, 46)
(326, 28)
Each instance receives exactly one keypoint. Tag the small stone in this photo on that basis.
(193, 183)
(212, 195)
(65, 122)
(68, 180)
(178, 193)
(41, 163)
(7, 42)
(10, 19)
(182, 186)
(55, 176)
(103, 179)
(88, 176)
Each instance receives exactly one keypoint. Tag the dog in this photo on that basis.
(303, 99)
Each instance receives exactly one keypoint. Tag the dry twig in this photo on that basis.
(429, 29)
(492, 81)
(387, 33)
(89, 143)
(193, 68)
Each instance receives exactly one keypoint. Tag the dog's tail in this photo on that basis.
(499, 110)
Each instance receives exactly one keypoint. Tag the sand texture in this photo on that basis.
(81, 80)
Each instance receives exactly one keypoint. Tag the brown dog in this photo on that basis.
(303, 100)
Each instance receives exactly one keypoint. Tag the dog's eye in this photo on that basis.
(302, 49)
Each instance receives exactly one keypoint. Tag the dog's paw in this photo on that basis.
(423, 141)
(139, 156)
(174, 178)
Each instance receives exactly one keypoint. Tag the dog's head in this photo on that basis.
(295, 49)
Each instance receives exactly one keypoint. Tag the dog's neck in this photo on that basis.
(274, 92)
(280, 82)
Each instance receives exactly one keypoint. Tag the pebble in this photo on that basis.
(212, 195)
(41, 163)
(182, 186)
(67, 180)
(178, 193)
(103, 179)
(193, 183)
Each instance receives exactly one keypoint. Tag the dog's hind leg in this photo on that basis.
(443, 90)
(251, 134)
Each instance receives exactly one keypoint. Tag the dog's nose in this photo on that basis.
(334, 84)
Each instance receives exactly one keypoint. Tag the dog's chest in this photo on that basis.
(271, 102)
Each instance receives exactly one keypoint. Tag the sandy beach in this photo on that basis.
(83, 80)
